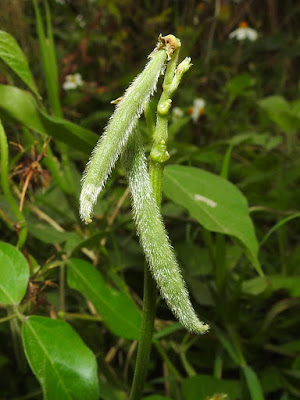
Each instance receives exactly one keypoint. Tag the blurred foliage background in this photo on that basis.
(251, 114)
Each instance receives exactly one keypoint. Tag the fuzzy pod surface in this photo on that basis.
(154, 238)
(118, 130)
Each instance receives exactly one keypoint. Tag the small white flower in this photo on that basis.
(80, 21)
(177, 113)
(244, 32)
(197, 109)
(72, 82)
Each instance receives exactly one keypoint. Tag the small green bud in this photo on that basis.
(61, 315)
(184, 66)
(163, 108)
(159, 152)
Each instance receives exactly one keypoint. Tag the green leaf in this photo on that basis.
(202, 387)
(253, 383)
(13, 56)
(281, 112)
(290, 283)
(258, 285)
(65, 367)
(238, 85)
(214, 202)
(21, 106)
(14, 274)
(117, 309)
(255, 286)
(47, 233)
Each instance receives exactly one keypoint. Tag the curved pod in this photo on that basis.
(154, 239)
(117, 132)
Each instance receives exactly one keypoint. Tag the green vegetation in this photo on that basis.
(204, 174)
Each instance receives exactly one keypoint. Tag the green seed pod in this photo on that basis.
(154, 239)
(118, 130)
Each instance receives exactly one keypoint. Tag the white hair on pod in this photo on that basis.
(117, 132)
(154, 238)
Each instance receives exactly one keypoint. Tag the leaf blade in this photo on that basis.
(13, 56)
(214, 202)
(21, 106)
(14, 274)
(65, 367)
(119, 312)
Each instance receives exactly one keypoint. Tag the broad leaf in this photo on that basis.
(65, 367)
(21, 106)
(13, 56)
(117, 309)
(214, 202)
(281, 112)
(14, 274)
(202, 387)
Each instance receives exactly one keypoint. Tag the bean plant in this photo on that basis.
(49, 334)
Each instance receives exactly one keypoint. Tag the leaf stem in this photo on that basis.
(21, 224)
(16, 338)
(8, 318)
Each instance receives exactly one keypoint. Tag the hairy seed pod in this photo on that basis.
(118, 130)
(154, 239)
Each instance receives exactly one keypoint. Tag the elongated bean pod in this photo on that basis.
(154, 239)
(118, 130)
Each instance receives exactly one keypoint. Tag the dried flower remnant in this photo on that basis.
(244, 33)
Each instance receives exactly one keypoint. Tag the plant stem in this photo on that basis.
(8, 318)
(144, 349)
(17, 339)
(159, 156)
(149, 302)
(6, 189)
(62, 301)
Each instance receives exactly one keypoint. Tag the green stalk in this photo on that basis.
(52, 79)
(47, 50)
(47, 47)
(48, 54)
(159, 156)
(17, 339)
(6, 189)
(150, 291)
(145, 342)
